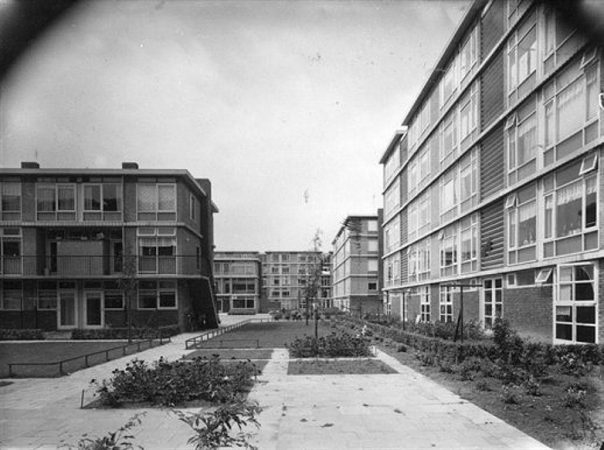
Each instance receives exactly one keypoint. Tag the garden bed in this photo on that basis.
(179, 383)
(338, 367)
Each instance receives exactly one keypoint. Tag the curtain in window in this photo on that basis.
(66, 197)
(527, 140)
(146, 197)
(11, 196)
(526, 224)
(166, 198)
(92, 198)
(568, 211)
(570, 109)
(46, 199)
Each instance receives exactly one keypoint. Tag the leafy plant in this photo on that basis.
(573, 364)
(331, 346)
(172, 383)
(116, 440)
(482, 385)
(214, 429)
(510, 394)
(575, 395)
(532, 386)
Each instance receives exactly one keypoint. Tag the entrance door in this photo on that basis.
(93, 309)
(492, 301)
(67, 311)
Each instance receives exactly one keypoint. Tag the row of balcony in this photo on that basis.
(62, 265)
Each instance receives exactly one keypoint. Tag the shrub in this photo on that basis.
(122, 333)
(510, 394)
(573, 364)
(213, 429)
(445, 365)
(532, 386)
(330, 346)
(13, 334)
(468, 368)
(173, 383)
(401, 348)
(574, 396)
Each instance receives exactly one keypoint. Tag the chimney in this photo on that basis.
(30, 165)
(129, 165)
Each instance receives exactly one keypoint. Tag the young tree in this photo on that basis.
(313, 280)
(128, 284)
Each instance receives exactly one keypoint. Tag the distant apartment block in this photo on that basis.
(285, 276)
(494, 180)
(237, 276)
(69, 237)
(355, 265)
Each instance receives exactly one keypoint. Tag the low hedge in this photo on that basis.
(122, 333)
(458, 351)
(9, 334)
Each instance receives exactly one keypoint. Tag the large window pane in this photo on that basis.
(111, 197)
(570, 109)
(46, 199)
(146, 197)
(11, 197)
(568, 210)
(92, 198)
(66, 198)
(166, 198)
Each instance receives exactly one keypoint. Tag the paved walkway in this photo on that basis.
(404, 410)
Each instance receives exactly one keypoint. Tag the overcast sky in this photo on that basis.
(285, 106)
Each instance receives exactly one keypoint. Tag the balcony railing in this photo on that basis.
(96, 265)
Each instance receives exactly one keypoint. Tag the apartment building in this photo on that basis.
(71, 238)
(325, 289)
(494, 180)
(285, 276)
(355, 265)
(237, 276)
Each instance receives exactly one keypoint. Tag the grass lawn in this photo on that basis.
(340, 367)
(268, 334)
(544, 417)
(46, 352)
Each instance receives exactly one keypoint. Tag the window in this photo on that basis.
(11, 295)
(392, 235)
(445, 304)
(570, 110)
(448, 251)
(468, 180)
(469, 244)
(468, 113)
(372, 286)
(521, 138)
(493, 301)
(448, 84)
(114, 296)
(412, 185)
(448, 137)
(372, 245)
(392, 198)
(372, 226)
(522, 225)
(543, 276)
(156, 201)
(392, 164)
(418, 256)
(154, 294)
(55, 201)
(10, 251)
(571, 208)
(412, 223)
(192, 207)
(92, 197)
(575, 307)
(468, 54)
(424, 303)
(372, 265)
(522, 53)
(157, 250)
(423, 212)
(11, 200)
(449, 197)
(47, 295)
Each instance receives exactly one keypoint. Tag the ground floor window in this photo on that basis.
(424, 302)
(244, 303)
(493, 301)
(575, 304)
(114, 296)
(11, 295)
(446, 304)
(157, 294)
